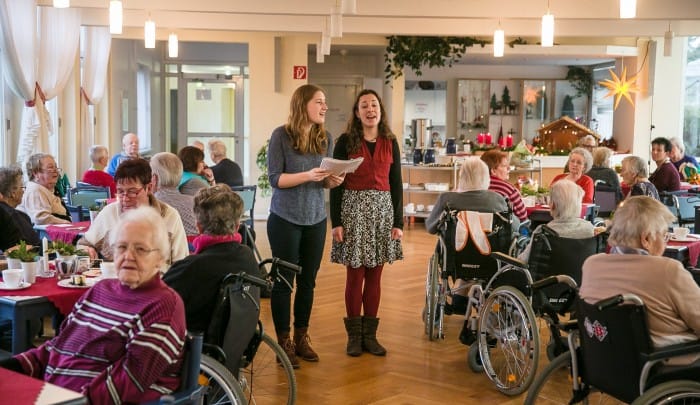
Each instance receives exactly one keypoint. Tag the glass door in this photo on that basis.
(212, 108)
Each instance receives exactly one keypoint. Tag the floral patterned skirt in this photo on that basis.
(367, 217)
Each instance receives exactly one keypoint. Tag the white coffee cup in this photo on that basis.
(108, 270)
(14, 263)
(680, 232)
(12, 277)
(420, 207)
(410, 207)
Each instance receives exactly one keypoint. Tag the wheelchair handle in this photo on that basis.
(560, 279)
(254, 280)
(277, 262)
(617, 300)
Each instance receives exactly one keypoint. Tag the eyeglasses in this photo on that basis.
(131, 193)
(50, 169)
(138, 251)
(667, 236)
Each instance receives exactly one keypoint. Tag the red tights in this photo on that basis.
(358, 296)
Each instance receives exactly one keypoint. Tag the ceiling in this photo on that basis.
(587, 20)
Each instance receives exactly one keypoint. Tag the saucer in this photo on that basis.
(66, 283)
(21, 286)
(686, 239)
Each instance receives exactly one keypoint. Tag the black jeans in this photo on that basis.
(302, 245)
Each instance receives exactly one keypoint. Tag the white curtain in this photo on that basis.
(39, 59)
(96, 47)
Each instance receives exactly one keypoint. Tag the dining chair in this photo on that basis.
(247, 194)
(87, 196)
(78, 213)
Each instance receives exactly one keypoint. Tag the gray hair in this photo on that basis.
(566, 199)
(586, 141)
(601, 157)
(636, 165)
(217, 148)
(10, 177)
(97, 152)
(34, 164)
(637, 216)
(168, 168)
(156, 224)
(677, 142)
(474, 175)
(587, 158)
(218, 210)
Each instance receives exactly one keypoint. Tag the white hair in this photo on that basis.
(474, 175)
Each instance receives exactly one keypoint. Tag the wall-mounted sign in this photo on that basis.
(300, 72)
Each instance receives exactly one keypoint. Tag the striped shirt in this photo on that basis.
(509, 191)
(117, 345)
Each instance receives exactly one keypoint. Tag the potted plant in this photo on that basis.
(263, 179)
(28, 257)
(66, 251)
(94, 210)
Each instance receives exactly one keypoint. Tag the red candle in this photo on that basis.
(509, 140)
(480, 138)
(488, 139)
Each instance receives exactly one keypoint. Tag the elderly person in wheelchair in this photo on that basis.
(635, 265)
(473, 194)
(566, 199)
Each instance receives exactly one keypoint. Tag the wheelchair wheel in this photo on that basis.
(474, 359)
(221, 386)
(672, 392)
(431, 317)
(554, 386)
(509, 342)
(269, 377)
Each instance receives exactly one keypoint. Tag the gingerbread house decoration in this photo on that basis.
(563, 135)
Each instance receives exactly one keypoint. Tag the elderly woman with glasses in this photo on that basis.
(133, 178)
(39, 200)
(123, 342)
(635, 265)
(580, 162)
(16, 225)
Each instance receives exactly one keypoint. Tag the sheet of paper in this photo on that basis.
(338, 167)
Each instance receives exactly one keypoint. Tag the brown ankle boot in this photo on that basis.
(354, 328)
(369, 336)
(288, 346)
(302, 341)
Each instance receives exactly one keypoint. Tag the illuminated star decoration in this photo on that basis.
(620, 87)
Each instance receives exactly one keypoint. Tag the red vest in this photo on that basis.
(373, 173)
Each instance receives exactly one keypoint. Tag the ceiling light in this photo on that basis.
(668, 42)
(547, 30)
(149, 34)
(326, 44)
(628, 8)
(498, 43)
(116, 17)
(349, 6)
(61, 3)
(172, 45)
(319, 53)
(336, 22)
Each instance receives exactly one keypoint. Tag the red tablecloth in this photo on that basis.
(67, 232)
(693, 249)
(62, 298)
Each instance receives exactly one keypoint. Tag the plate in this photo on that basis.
(67, 284)
(22, 286)
(93, 273)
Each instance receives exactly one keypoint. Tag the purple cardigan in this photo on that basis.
(117, 345)
(666, 178)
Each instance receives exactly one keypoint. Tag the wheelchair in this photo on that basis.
(614, 360)
(240, 363)
(505, 322)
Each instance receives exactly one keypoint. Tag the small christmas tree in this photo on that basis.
(495, 106)
(505, 97)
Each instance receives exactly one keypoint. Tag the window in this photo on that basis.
(691, 113)
(143, 107)
(4, 144)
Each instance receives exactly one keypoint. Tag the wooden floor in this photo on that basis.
(415, 370)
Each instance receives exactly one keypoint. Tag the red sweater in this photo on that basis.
(585, 182)
(100, 178)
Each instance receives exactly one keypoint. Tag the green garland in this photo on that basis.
(414, 52)
(581, 79)
(263, 180)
